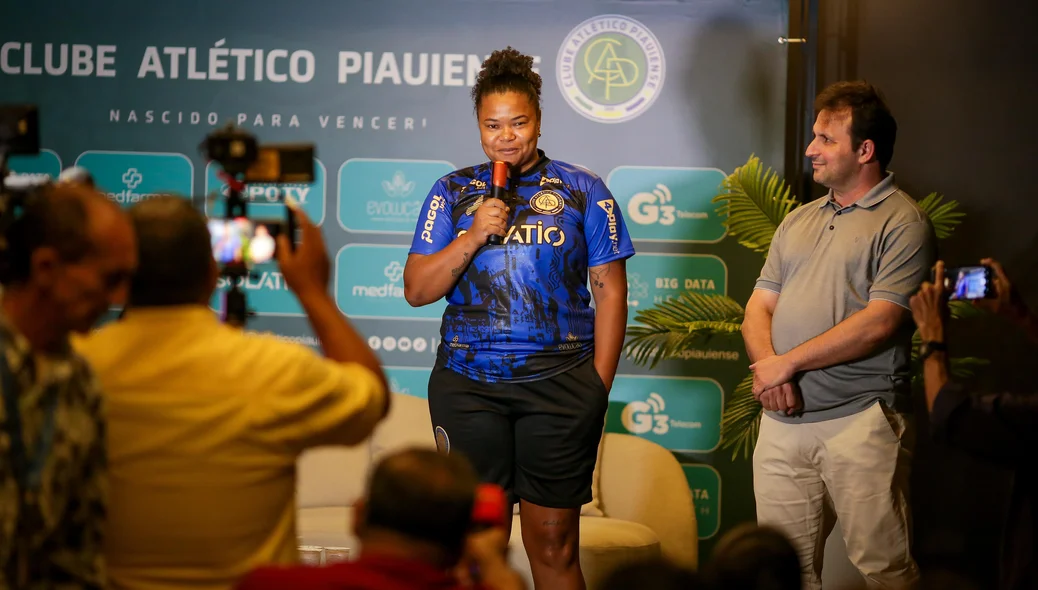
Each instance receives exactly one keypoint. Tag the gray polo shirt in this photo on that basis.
(827, 263)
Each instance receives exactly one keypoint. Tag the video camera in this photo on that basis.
(240, 242)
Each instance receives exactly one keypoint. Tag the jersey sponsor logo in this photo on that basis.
(435, 206)
(610, 68)
(131, 177)
(474, 206)
(608, 205)
(532, 234)
(547, 202)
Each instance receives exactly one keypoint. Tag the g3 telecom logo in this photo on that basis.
(679, 413)
(610, 68)
(669, 204)
(266, 200)
(385, 196)
(42, 167)
(369, 283)
(131, 177)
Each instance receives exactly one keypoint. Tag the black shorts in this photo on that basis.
(538, 440)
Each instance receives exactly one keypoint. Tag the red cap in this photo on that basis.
(499, 177)
(491, 506)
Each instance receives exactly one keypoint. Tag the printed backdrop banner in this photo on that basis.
(662, 100)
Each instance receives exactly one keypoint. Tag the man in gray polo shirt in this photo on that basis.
(828, 330)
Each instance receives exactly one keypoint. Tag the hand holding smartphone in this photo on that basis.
(968, 283)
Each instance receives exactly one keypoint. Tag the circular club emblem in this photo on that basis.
(546, 202)
(610, 68)
(443, 442)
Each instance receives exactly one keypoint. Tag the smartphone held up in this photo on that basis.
(968, 283)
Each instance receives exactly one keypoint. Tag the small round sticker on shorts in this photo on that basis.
(547, 202)
(443, 442)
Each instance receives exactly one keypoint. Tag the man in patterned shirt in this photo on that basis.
(70, 255)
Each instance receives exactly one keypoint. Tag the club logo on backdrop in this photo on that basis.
(610, 68)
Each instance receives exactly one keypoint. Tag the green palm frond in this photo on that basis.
(944, 216)
(740, 423)
(673, 326)
(753, 203)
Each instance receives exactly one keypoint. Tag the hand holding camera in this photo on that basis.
(306, 266)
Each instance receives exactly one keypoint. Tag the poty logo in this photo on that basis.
(132, 179)
(610, 68)
(641, 417)
(398, 186)
(267, 199)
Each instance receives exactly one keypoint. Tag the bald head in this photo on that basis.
(423, 495)
(176, 264)
(73, 219)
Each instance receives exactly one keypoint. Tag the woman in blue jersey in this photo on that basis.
(523, 372)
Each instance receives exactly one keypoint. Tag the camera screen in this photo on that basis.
(242, 241)
(970, 282)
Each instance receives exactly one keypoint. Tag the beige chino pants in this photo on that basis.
(853, 468)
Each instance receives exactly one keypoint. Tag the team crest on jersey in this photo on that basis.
(443, 442)
(546, 202)
(472, 208)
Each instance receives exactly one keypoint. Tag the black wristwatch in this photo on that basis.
(929, 347)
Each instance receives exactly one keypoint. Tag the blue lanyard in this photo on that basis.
(28, 471)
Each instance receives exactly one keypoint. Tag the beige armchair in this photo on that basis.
(643, 493)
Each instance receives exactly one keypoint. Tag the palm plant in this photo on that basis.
(753, 202)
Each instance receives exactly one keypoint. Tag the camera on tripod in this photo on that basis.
(240, 242)
(19, 136)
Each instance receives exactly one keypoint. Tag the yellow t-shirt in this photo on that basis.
(205, 423)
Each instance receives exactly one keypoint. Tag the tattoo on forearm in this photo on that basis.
(552, 523)
(457, 269)
(598, 277)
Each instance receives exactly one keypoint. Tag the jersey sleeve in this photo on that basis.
(604, 227)
(435, 227)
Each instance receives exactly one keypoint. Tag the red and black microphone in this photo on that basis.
(498, 190)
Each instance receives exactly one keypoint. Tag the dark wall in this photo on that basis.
(962, 79)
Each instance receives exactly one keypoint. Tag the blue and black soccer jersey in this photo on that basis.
(522, 310)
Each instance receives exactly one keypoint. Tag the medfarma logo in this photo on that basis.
(610, 68)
